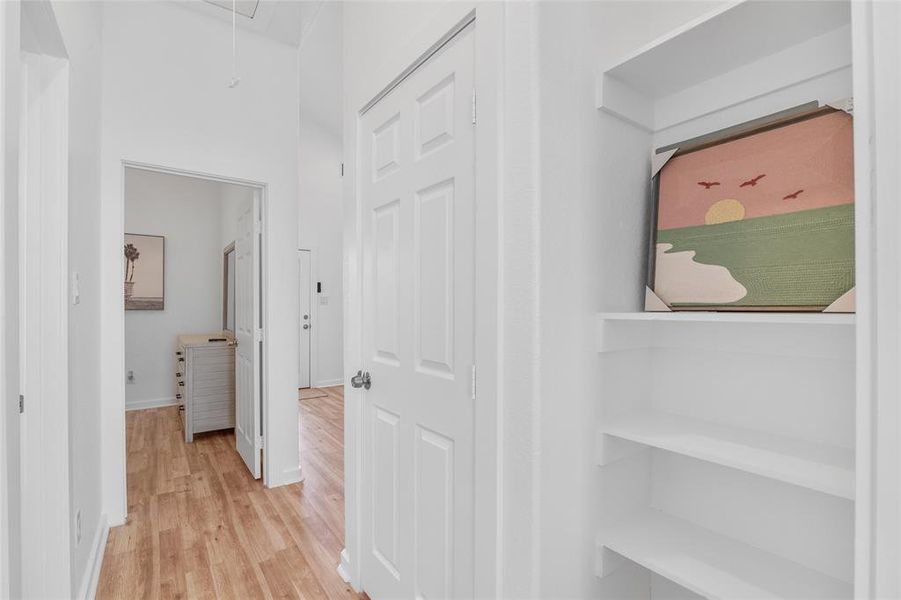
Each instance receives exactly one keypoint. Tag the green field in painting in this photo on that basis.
(799, 259)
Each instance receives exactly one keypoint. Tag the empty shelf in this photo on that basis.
(750, 318)
(826, 469)
(713, 565)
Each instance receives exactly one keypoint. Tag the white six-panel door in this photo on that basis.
(247, 355)
(416, 183)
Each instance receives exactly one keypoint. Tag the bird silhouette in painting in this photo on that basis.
(708, 184)
(792, 196)
(752, 182)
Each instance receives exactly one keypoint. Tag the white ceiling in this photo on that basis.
(284, 21)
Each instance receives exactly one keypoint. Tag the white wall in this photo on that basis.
(320, 213)
(190, 213)
(80, 27)
(166, 102)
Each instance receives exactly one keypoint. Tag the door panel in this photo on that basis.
(434, 279)
(247, 354)
(387, 293)
(385, 493)
(434, 513)
(417, 193)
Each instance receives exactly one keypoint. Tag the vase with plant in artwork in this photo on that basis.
(131, 255)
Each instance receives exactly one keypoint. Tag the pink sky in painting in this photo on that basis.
(813, 155)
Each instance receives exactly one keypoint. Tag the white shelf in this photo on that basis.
(796, 318)
(817, 467)
(713, 565)
(825, 335)
(736, 53)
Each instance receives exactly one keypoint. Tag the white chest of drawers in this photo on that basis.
(205, 383)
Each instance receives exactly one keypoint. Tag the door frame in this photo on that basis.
(36, 558)
(314, 312)
(261, 190)
(43, 546)
(10, 568)
(447, 22)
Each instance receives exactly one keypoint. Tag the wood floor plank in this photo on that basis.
(200, 526)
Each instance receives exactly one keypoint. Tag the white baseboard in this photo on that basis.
(328, 383)
(344, 571)
(150, 403)
(344, 566)
(91, 577)
(293, 475)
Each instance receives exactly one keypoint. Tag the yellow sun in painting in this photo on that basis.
(725, 211)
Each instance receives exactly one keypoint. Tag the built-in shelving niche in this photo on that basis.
(725, 447)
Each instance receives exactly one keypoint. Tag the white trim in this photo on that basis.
(91, 577)
(877, 131)
(328, 383)
(150, 403)
(10, 572)
(344, 568)
(289, 476)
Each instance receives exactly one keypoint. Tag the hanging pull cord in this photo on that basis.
(235, 80)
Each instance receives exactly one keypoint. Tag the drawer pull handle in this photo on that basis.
(178, 396)
(181, 383)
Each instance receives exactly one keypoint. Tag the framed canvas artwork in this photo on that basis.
(145, 277)
(761, 219)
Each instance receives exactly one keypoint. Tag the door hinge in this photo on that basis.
(258, 335)
(257, 227)
(473, 106)
(473, 382)
(260, 442)
(21, 403)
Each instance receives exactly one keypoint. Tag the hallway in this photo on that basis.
(200, 527)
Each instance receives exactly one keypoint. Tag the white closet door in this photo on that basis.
(417, 188)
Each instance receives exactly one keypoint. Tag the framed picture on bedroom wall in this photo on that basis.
(759, 217)
(145, 271)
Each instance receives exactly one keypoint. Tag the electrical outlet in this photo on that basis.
(130, 377)
(77, 526)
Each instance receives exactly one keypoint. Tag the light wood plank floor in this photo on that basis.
(200, 527)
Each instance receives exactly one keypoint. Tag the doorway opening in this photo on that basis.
(198, 501)
(192, 267)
